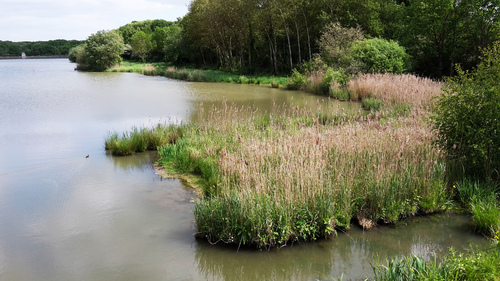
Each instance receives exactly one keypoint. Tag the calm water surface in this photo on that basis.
(67, 217)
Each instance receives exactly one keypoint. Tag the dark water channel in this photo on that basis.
(67, 217)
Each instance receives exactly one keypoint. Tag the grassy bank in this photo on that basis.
(476, 265)
(197, 75)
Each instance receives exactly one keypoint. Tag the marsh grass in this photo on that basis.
(140, 140)
(149, 70)
(269, 179)
(272, 179)
(480, 199)
(474, 265)
(395, 89)
(372, 104)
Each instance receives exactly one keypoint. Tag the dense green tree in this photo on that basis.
(77, 53)
(335, 45)
(467, 117)
(147, 26)
(441, 33)
(380, 56)
(141, 45)
(38, 48)
(102, 50)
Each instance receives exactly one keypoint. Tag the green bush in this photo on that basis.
(467, 117)
(296, 81)
(76, 52)
(102, 50)
(328, 79)
(335, 45)
(380, 56)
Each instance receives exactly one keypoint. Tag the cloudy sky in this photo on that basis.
(42, 20)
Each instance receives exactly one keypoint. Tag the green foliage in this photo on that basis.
(335, 45)
(39, 48)
(102, 50)
(467, 116)
(328, 78)
(480, 199)
(485, 214)
(475, 265)
(296, 81)
(77, 53)
(139, 140)
(274, 215)
(380, 56)
(172, 43)
(372, 104)
(141, 45)
(147, 26)
(441, 33)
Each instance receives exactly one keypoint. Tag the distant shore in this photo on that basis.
(34, 57)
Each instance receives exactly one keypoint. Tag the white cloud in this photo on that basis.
(33, 20)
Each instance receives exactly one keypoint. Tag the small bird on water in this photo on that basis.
(87, 156)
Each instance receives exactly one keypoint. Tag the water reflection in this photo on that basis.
(349, 254)
(207, 97)
(136, 162)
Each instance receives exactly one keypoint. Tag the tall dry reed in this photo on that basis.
(395, 89)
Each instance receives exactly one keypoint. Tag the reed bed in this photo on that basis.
(269, 179)
(395, 89)
(149, 70)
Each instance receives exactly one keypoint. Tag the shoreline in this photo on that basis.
(33, 57)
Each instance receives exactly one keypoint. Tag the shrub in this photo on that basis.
(467, 116)
(102, 50)
(328, 79)
(335, 44)
(380, 56)
(76, 52)
(296, 81)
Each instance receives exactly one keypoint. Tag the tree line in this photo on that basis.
(39, 48)
(277, 36)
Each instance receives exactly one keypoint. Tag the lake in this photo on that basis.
(67, 217)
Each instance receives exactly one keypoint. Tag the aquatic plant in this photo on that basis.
(474, 265)
(139, 140)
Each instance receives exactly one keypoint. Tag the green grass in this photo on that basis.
(372, 104)
(198, 75)
(140, 140)
(475, 265)
(480, 199)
